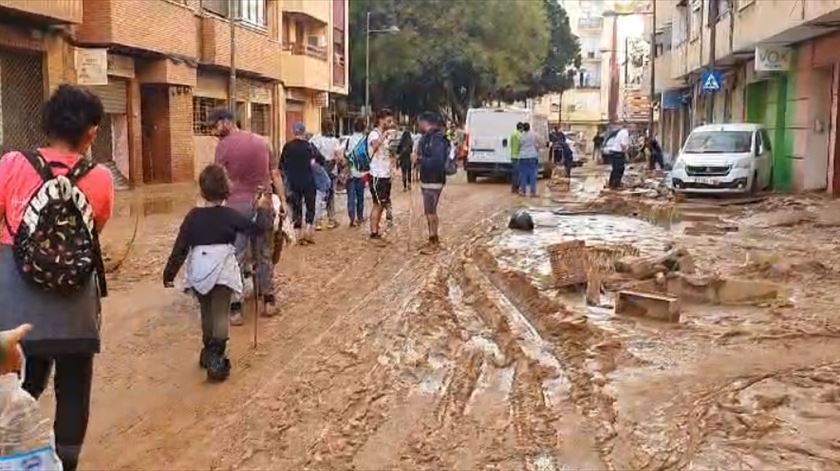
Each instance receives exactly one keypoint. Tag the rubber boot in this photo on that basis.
(218, 368)
(204, 357)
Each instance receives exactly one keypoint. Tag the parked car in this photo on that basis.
(724, 158)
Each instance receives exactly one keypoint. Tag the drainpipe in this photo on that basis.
(652, 71)
(232, 81)
(713, 18)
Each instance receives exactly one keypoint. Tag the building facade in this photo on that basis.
(780, 64)
(161, 66)
(583, 108)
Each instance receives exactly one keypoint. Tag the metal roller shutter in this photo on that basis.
(113, 96)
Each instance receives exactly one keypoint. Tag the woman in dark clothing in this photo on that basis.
(404, 149)
(65, 333)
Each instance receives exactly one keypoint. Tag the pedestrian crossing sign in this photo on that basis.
(711, 81)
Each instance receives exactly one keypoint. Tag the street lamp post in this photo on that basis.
(368, 32)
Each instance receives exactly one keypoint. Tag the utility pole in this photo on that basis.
(710, 97)
(232, 81)
(367, 70)
(652, 69)
(626, 61)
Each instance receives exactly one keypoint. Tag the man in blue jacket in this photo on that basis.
(432, 153)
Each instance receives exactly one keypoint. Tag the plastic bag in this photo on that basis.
(26, 437)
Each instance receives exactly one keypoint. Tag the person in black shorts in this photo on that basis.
(381, 165)
(432, 153)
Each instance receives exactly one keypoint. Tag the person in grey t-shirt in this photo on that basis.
(529, 161)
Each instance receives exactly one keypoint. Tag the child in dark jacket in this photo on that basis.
(206, 243)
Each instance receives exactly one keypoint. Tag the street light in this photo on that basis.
(613, 13)
(390, 30)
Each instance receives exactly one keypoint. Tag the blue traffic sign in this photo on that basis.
(711, 81)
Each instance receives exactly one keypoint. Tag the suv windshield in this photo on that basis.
(718, 142)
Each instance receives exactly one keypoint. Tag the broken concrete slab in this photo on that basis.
(713, 290)
(651, 305)
(703, 228)
(782, 218)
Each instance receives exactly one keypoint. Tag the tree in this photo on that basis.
(556, 74)
(453, 54)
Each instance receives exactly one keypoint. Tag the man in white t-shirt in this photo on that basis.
(329, 147)
(380, 169)
(617, 148)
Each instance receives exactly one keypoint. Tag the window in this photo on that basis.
(695, 21)
(202, 107)
(260, 118)
(765, 138)
(718, 142)
(251, 12)
(219, 7)
(717, 9)
(247, 11)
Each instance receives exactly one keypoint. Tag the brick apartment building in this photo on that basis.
(168, 65)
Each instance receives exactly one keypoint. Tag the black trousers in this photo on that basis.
(617, 173)
(405, 169)
(73, 377)
(299, 196)
(656, 158)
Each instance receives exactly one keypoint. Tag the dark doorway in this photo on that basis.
(154, 120)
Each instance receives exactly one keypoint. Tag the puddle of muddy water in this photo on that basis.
(526, 252)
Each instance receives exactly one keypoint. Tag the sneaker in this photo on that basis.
(378, 240)
(319, 227)
(353, 224)
(218, 364)
(332, 224)
(269, 306)
(218, 370)
(236, 319)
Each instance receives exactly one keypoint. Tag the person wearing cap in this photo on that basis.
(247, 159)
(296, 162)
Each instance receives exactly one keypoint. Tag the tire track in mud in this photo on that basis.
(716, 410)
(243, 422)
(587, 353)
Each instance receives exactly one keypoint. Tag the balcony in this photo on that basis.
(590, 23)
(317, 9)
(318, 52)
(127, 23)
(58, 11)
(255, 51)
(305, 66)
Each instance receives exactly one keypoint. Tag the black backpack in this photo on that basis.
(56, 247)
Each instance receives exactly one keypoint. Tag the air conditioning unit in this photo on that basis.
(317, 41)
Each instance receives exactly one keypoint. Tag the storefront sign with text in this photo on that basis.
(772, 58)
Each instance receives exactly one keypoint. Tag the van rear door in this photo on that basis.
(489, 133)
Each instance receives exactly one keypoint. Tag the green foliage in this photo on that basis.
(453, 54)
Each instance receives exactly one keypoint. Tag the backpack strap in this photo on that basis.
(80, 170)
(39, 164)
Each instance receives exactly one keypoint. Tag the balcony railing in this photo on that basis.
(590, 22)
(310, 50)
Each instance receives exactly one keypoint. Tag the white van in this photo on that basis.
(724, 158)
(488, 140)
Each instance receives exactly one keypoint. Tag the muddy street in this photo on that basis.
(473, 358)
